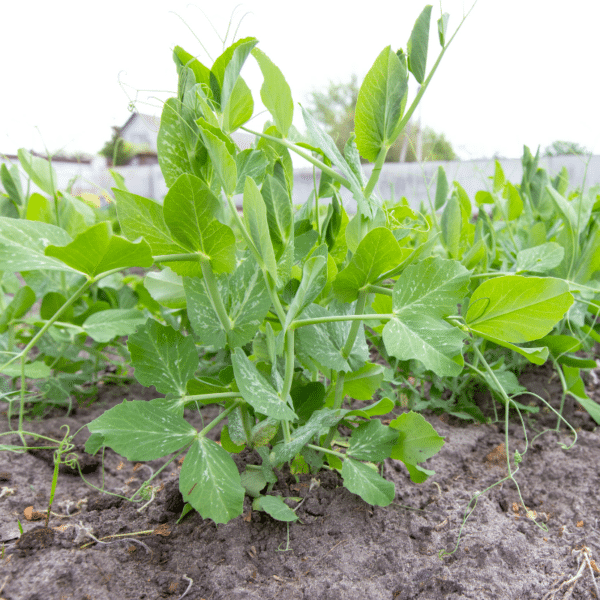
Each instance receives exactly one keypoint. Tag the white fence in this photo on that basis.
(410, 180)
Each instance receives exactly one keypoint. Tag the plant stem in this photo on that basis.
(360, 309)
(218, 395)
(364, 317)
(218, 419)
(378, 289)
(193, 256)
(289, 374)
(326, 450)
(305, 155)
(376, 172)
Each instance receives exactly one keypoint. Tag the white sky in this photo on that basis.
(518, 72)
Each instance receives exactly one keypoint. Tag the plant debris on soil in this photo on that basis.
(101, 547)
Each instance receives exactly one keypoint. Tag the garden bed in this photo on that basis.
(341, 548)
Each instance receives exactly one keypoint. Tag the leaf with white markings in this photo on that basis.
(364, 481)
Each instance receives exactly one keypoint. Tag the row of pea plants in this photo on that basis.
(270, 314)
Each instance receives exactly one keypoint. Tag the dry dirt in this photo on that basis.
(341, 548)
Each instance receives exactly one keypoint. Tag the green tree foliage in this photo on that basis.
(117, 149)
(562, 148)
(334, 109)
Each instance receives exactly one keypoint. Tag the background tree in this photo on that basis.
(117, 150)
(561, 148)
(334, 109)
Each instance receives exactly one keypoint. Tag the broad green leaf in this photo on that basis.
(381, 407)
(189, 212)
(22, 245)
(433, 286)
(416, 47)
(560, 344)
(275, 92)
(173, 156)
(518, 309)
(514, 204)
(254, 482)
(427, 339)
(255, 219)
(539, 259)
(276, 507)
(21, 302)
(140, 430)
(576, 388)
(364, 481)
(451, 224)
(319, 420)
(162, 357)
(12, 184)
(279, 210)
(183, 58)
(105, 325)
(96, 251)
(39, 208)
(484, 197)
(40, 170)
(362, 384)
(314, 278)
(418, 474)
(210, 482)
(239, 107)
(221, 153)
(166, 287)
(256, 390)
(372, 441)
(246, 300)
(379, 104)
(234, 65)
(537, 355)
(417, 441)
(263, 432)
(377, 253)
(565, 208)
(52, 302)
(250, 163)
(34, 370)
(589, 258)
(441, 188)
(324, 342)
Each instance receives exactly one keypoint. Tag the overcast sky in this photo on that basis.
(518, 72)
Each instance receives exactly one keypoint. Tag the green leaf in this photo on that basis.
(416, 48)
(418, 474)
(279, 211)
(21, 302)
(443, 28)
(427, 339)
(518, 309)
(189, 212)
(250, 163)
(314, 278)
(324, 342)
(537, 355)
(381, 407)
(275, 92)
(372, 441)
(96, 251)
(263, 432)
(319, 420)
(417, 441)
(255, 219)
(379, 104)
(34, 370)
(441, 188)
(256, 390)
(239, 108)
(364, 481)
(183, 58)
(433, 286)
(241, 51)
(12, 184)
(163, 357)
(105, 325)
(540, 259)
(166, 287)
(254, 482)
(139, 430)
(377, 253)
(40, 170)
(514, 204)
(451, 224)
(276, 507)
(22, 245)
(362, 384)
(576, 388)
(210, 482)
(221, 152)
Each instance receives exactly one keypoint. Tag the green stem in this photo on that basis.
(305, 155)
(201, 397)
(289, 374)
(326, 450)
(218, 419)
(376, 172)
(360, 309)
(193, 256)
(215, 296)
(378, 289)
(364, 317)
(316, 206)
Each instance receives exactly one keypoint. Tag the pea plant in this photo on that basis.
(270, 314)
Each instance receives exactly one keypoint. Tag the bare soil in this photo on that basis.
(341, 549)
